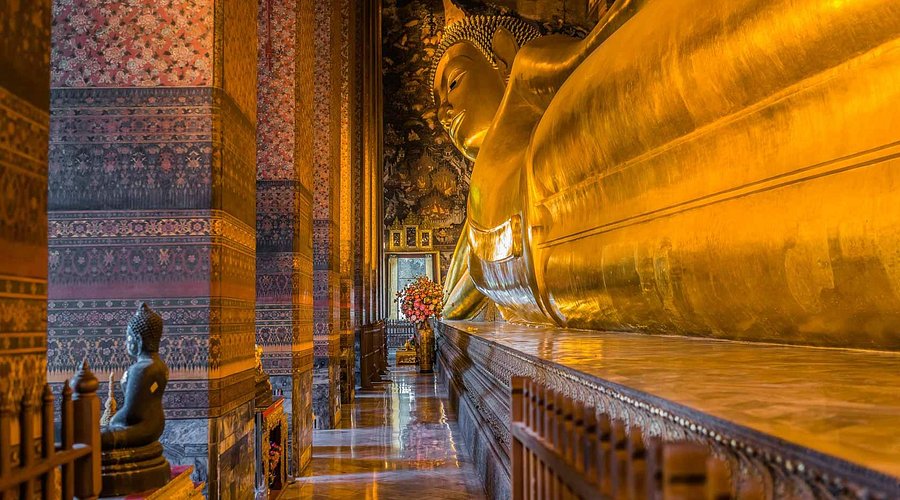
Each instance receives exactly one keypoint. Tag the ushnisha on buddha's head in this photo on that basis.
(144, 332)
(469, 73)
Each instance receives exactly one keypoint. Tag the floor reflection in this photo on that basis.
(401, 441)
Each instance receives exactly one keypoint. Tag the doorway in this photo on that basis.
(404, 268)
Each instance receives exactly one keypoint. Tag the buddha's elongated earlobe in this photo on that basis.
(504, 49)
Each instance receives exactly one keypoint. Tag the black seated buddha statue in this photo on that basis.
(132, 455)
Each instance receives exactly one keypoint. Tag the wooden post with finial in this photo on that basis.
(637, 463)
(619, 459)
(68, 440)
(48, 444)
(551, 437)
(87, 416)
(26, 441)
(591, 443)
(7, 414)
(604, 453)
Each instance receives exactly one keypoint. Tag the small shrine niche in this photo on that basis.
(271, 436)
(411, 235)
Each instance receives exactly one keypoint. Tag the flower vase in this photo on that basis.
(425, 347)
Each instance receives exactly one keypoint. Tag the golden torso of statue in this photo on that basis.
(729, 174)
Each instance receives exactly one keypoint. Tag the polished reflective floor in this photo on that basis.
(400, 441)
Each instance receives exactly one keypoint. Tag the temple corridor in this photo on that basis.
(449, 249)
(401, 440)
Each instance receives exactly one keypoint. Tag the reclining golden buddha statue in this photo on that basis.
(717, 168)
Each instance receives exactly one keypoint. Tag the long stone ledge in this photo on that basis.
(807, 422)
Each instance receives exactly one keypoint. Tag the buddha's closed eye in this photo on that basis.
(455, 79)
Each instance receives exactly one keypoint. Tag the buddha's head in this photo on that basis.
(144, 332)
(469, 73)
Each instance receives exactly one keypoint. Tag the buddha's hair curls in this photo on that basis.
(148, 325)
(479, 30)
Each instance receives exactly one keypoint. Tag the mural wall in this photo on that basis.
(424, 175)
(426, 180)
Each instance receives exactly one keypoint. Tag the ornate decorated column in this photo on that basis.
(24, 118)
(326, 109)
(350, 158)
(370, 305)
(152, 198)
(358, 160)
(284, 209)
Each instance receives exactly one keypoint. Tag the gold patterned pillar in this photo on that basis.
(369, 259)
(24, 118)
(349, 157)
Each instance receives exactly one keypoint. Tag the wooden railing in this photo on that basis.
(373, 354)
(76, 458)
(398, 332)
(563, 449)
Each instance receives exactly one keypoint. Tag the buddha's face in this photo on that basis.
(468, 90)
(132, 343)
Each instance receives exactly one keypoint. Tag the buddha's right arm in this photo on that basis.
(463, 300)
(459, 263)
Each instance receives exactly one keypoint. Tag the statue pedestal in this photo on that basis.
(180, 486)
(134, 469)
(406, 357)
(271, 450)
(791, 420)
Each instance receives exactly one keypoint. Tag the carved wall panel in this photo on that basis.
(424, 174)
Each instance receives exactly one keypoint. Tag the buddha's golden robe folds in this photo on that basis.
(723, 168)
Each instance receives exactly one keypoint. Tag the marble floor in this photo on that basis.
(398, 441)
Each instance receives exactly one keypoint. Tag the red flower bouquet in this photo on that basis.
(421, 300)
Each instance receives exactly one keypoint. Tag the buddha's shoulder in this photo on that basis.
(147, 367)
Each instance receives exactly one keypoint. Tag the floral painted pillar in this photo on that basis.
(326, 110)
(152, 197)
(284, 213)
